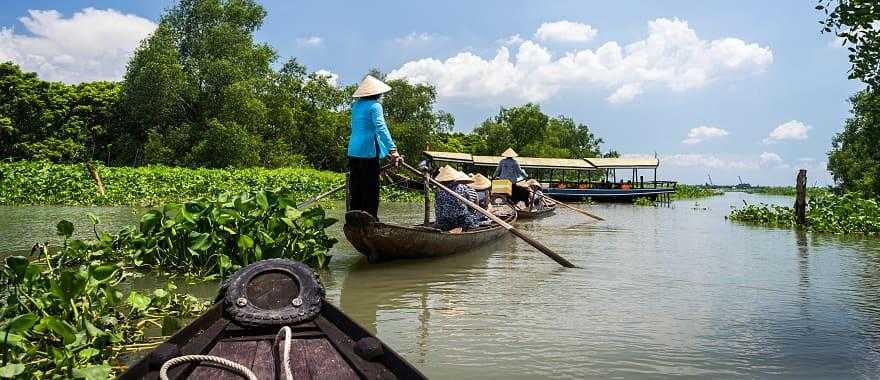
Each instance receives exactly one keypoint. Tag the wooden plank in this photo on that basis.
(324, 362)
(198, 345)
(239, 352)
(264, 360)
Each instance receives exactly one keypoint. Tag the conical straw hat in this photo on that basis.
(371, 86)
(480, 182)
(509, 153)
(446, 174)
(461, 177)
(530, 183)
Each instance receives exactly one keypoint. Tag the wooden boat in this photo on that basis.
(526, 214)
(326, 345)
(383, 242)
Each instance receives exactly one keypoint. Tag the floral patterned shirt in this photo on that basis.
(451, 212)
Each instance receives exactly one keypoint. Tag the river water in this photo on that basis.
(662, 291)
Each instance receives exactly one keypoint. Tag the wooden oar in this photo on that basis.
(577, 209)
(547, 251)
(314, 199)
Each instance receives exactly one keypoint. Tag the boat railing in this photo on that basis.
(626, 185)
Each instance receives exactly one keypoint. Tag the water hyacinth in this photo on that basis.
(843, 214)
(39, 182)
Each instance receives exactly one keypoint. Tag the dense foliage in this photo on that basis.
(845, 214)
(854, 159)
(788, 190)
(23, 183)
(683, 191)
(72, 322)
(54, 121)
(855, 23)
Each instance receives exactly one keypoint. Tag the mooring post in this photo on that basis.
(95, 177)
(800, 202)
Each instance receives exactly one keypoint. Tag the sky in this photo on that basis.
(727, 89)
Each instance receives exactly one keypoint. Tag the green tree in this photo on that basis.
(857, 23)
(854, 159)
(201, 69)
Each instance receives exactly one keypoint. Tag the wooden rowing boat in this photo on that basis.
(526, 214)
(326, 345)
(383, 242)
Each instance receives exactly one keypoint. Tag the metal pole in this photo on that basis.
(427, 198)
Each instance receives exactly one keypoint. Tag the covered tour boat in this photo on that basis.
(564, 178)
(272, 323)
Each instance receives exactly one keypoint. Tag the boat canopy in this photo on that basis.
(549, 163)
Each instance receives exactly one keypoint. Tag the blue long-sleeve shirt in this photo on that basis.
(369, 131)
(508, 168)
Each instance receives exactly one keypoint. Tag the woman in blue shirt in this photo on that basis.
(369, 142)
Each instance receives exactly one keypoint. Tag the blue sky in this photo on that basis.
(745, 88)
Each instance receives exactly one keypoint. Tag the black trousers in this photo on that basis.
(363, 184)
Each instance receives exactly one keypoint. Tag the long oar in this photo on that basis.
(553, 255)
(577, 209)
(316, 198)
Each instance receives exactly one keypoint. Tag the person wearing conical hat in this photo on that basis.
(370, 142)
(451, 213)
(510, 170)
(481, 186)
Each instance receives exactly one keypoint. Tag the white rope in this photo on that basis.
(163, 372)
(285, 358)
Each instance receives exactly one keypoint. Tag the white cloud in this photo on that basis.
(770, 158)
(415, 39)
(332, 78)
(792, 130)
(310, 41)
(703, 133)
(625, 93)
(92, 44)
(512, 40)
(708, 161)
(565, 31)
(671, 56)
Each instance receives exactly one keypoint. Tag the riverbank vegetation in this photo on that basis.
(28, 183)
(683, 191)
(839, 214)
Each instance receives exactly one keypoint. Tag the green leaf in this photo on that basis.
(292, 213)
(88, 353)
(93, 330)
(150, 220)
(92, 218)
(244, 242)
(95, 372)
(69, 285)
(224, 263)
(138, 302)
(62, 328)
(199, 241)
(64, 228)
(21, 323)
(10, 339)
(104, 272)
(262, 201)
(11, 370)
(18, 264)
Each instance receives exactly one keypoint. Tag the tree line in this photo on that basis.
(201, 92)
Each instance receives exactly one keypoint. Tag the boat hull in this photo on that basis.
(383, 242)
(526, 214)
(322, 348)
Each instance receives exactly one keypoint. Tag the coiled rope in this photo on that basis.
(245, 371)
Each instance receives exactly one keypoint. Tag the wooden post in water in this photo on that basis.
(800, 202)
(95, 177)
(427, 197)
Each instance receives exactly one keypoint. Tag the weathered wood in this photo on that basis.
(264, 360)
(800, 202)
(96, 177)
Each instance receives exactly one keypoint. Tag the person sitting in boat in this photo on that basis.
(510, 170)
(451, 213)
(537, 201)
(481, 186)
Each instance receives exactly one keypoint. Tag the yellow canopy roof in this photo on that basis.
(450, 156)
(550, 163)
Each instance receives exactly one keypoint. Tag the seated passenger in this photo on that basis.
(482, 186)
(450, 212)
(536, 196)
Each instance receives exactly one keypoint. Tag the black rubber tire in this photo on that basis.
(311, 292)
